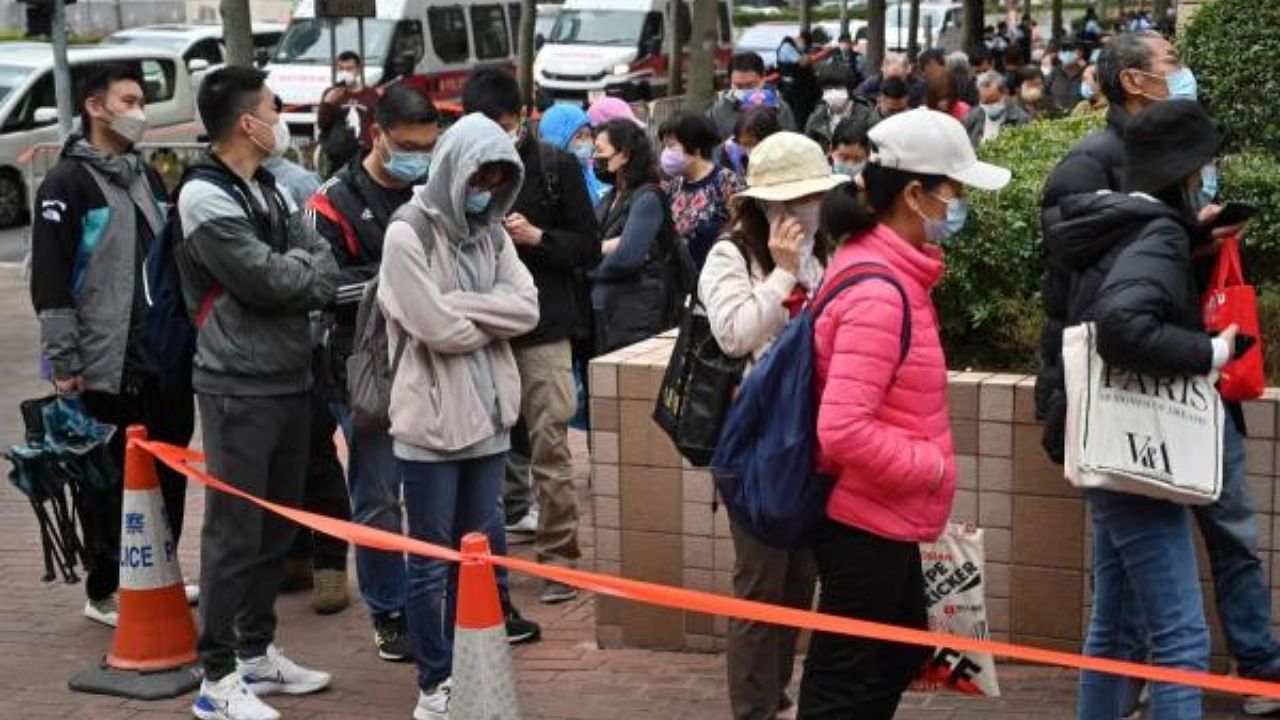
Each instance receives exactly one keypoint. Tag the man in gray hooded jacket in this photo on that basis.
(97, 212)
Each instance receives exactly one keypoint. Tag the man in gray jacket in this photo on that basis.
(251, 272)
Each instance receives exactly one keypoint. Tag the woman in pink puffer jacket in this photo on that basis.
(883, 427)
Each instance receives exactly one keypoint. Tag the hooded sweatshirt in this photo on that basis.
(455, 295)
(557, 127)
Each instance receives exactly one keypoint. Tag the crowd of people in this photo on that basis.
(504, 251)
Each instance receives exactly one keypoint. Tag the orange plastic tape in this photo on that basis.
(182, 460)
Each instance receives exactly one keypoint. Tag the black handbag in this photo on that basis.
(697, 388)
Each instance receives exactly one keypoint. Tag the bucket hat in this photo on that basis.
(786, 166)
(1167, 142)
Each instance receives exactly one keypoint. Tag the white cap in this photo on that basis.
(927, 142)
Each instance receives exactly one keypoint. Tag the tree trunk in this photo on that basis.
(702, 49)
(804, 8)
(528, 20)
(875, 34)
(237, 32)
(1057, 20)
(974, 21)
(675, 50)
(913, 31)
(844, 17)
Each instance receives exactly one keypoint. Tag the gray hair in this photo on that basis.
(958, 62)
(991, 79)
(1126, 51)
(895, 58)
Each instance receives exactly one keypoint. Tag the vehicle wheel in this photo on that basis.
(12, 208)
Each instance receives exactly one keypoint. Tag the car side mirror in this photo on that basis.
(196, 65)
(262, 56)
(45, 116)
(538, 41)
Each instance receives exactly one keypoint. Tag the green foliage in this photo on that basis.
(1254, 178)
(989, 301)
(1232, 46)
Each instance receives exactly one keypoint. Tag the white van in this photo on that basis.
(438, 43)
(616, 47)
(29, 114)
(936, 17)
(200, 46)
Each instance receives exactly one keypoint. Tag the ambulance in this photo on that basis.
(435, 43)
(618, 48)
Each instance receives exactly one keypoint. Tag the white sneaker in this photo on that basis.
(105, 611)
(275, 674)
(1261, 706)
(229, 699)
(193, 593)
(435, 704)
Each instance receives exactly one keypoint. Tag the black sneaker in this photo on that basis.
(391, 635)
(519, 630)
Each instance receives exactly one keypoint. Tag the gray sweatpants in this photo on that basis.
(260, 445)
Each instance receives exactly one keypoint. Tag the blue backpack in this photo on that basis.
(763, 464)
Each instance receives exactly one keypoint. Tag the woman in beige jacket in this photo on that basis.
(454, 292)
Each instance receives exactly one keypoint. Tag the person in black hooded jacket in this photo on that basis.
(1147, 312)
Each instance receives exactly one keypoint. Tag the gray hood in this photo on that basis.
(120, 169)
(469, 143)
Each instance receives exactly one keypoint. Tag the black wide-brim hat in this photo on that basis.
(1167, 142)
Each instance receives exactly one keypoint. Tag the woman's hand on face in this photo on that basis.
(786, 235)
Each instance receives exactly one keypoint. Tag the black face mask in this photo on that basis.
(602, 171)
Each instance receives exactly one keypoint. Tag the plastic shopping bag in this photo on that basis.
(954, 590)
(1230, 300)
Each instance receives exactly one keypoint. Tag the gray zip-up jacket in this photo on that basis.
(94, 212)
(250, 281)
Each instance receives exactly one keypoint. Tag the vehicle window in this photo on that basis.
(600, 27)
(11, 77)
(684, 23)
(726, 25)
(266, 40)
(489, 24)
(306, 42)
(40, 95)
(652, 32)
(408, 41)
(513, 12)
(449, 33)
(158, 80)
(208, 50)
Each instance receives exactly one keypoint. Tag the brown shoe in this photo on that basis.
(297, 576)
(330, 593)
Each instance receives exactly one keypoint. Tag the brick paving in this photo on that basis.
(44, 639)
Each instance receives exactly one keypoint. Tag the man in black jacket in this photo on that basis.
(554, 229)
(1136, 71)
(87, 290)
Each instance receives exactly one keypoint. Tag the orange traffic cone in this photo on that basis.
(155, 640)
(484, 683)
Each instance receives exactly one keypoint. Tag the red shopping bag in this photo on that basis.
(1229, 300)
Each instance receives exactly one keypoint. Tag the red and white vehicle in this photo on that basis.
(437, 44)
(617, 47)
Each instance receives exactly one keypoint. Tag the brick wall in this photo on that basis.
(654, 520)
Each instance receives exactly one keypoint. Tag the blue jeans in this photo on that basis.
(374, 482)
(445, 500)
(1143, 550)
(1230, 533)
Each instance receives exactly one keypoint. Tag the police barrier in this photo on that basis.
(184, 461)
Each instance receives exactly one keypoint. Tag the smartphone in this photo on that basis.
(1244, 343)
(1234, 214)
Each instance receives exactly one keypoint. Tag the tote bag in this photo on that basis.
(1229, 300)
(1134, 433)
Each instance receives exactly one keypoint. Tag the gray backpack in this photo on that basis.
(370, 368)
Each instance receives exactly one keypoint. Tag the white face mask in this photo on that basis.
(807, 214)
(280, 133)
(130, 125)
(346, 77)
(836, 98)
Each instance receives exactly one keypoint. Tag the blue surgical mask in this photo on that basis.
(852, 170)
(584, 150)
(1068, 57)
(478, 201)
(939, 232)
(1208, 184)
(1086, 91)
(1182, 85)
(409, 167)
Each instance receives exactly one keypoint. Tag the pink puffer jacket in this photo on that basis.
(883, 429)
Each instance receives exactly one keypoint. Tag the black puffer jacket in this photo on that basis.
(1095, 163)
(1130, 270)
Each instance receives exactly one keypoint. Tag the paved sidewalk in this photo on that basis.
(44, 639)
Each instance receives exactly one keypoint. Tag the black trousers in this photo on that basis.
(325, 492)
(868, 577)
(169, 416)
